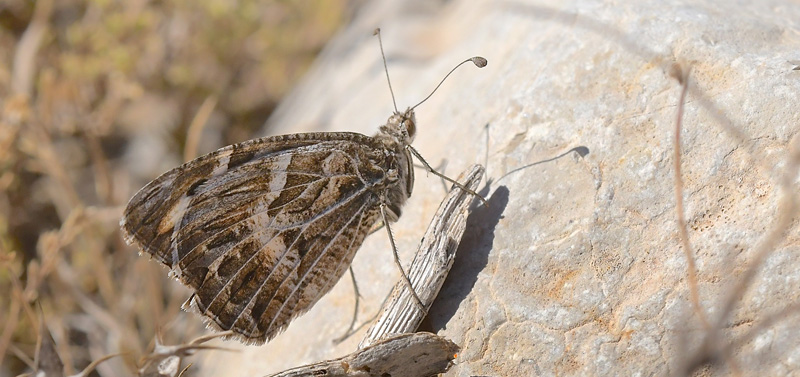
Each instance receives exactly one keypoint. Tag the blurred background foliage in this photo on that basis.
(97, 97)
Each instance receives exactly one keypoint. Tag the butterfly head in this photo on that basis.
(401, 126)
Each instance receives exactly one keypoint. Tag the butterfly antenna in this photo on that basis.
(479, 62)
(385, 69)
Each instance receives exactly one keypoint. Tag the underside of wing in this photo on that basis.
(258, 290)
(261, 230)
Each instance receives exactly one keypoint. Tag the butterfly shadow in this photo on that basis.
(472, 255)
(472, 258)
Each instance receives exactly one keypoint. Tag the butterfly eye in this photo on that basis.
(411, 128)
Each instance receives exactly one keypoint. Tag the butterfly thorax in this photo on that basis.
(396, 135)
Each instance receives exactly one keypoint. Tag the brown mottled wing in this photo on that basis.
(261, 230)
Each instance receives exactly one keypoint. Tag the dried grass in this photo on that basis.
(86, 87)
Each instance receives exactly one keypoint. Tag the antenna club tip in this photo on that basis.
(376, 31)
(479, 61)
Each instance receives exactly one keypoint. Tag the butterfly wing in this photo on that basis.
(261, 230)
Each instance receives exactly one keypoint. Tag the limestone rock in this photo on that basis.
(576, 268)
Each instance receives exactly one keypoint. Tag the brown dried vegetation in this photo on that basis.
(97, 98)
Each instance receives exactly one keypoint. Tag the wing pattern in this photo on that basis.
(261, 230)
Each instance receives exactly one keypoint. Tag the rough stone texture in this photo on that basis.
(576, 267)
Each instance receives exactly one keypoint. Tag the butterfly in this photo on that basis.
(261, 230)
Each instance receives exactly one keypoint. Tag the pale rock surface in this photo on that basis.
(576, 267)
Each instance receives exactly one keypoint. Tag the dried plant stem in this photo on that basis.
(787, 213)
(25, 54)
(22, 356)
(196, 127)
(104, 184)
(691, 272)
(101, 316)
(93, 365)
(648, 55)
(404, 355)
(13, 317)
(431, 264)
(710, 351)
(770, 320)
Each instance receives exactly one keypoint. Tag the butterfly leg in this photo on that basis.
(441, 167)
(446, 178)
(397, 260)
(350, 329)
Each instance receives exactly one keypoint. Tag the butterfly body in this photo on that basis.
(261, 230)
